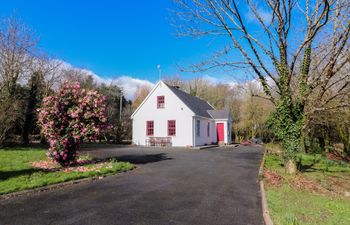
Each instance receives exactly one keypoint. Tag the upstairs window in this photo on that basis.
(149, 128)
(198, 128)
(171, 127)
(160, 102)
(208, 129)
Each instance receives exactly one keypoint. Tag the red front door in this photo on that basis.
(220, 132)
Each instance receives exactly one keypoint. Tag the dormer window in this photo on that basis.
(160, 102)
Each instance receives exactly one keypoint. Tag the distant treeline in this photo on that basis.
(27, 75)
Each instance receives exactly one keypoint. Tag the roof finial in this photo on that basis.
(159, 71)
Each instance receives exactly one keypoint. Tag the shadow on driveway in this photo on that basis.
(142, 159)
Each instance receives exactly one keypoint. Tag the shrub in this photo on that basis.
(70, 116)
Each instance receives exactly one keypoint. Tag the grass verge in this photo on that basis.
(17, 172)
(317, 195)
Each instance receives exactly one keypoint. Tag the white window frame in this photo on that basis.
(198, 128)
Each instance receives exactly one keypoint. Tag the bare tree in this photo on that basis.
(141, 93)
(254, 112)
(17, 50)
(276, 40)
(51, 73)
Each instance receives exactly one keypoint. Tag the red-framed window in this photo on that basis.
(149, 128)
(160, 102)
(171, 127)
(208, 129)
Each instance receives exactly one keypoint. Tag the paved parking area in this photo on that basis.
(170, 186)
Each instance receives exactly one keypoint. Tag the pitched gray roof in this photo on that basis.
(197, 105)
(219, 114)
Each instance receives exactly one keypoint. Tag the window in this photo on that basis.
(208, 129)
(160, 102)
(149, 128)
(171, 127)
(198, 128)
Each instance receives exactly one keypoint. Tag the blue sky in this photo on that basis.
(111, 38)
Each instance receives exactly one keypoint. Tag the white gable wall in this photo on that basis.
(174, 109)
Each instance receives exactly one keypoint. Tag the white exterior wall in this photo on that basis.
(214, 134)
(204, 139)
(229, 135)
(174, 109)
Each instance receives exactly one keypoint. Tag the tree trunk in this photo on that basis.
(25, 133)
(322, 143)
(347, 143)
(344, 134)
(327, 142)
(291, 167)
(346, 147)
(32, 102)
(43, 140)
(303, 141)
(28, 124)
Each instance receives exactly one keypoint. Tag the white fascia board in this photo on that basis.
(202, 117)
(221, 119)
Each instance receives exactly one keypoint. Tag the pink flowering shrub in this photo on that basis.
(70, 116)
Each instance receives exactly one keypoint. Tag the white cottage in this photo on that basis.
(171, 117)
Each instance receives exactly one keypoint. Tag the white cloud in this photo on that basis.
(265, 15)
(128, 84)
(246, 86)
(64, 65)
(213, 80)
(221, 80)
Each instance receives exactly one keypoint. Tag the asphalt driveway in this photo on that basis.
(170, 186)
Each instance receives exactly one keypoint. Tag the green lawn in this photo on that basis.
(325, 202)
(288, 206)
(17, 173)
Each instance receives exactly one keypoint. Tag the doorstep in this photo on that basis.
(205, 146)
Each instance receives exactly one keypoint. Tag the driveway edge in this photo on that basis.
(266, 213)
(58, 185)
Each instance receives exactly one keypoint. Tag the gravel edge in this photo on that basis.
(266, 213)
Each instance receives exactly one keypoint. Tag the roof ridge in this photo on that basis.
(197, 105)
(220, 113)
(171, 86)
